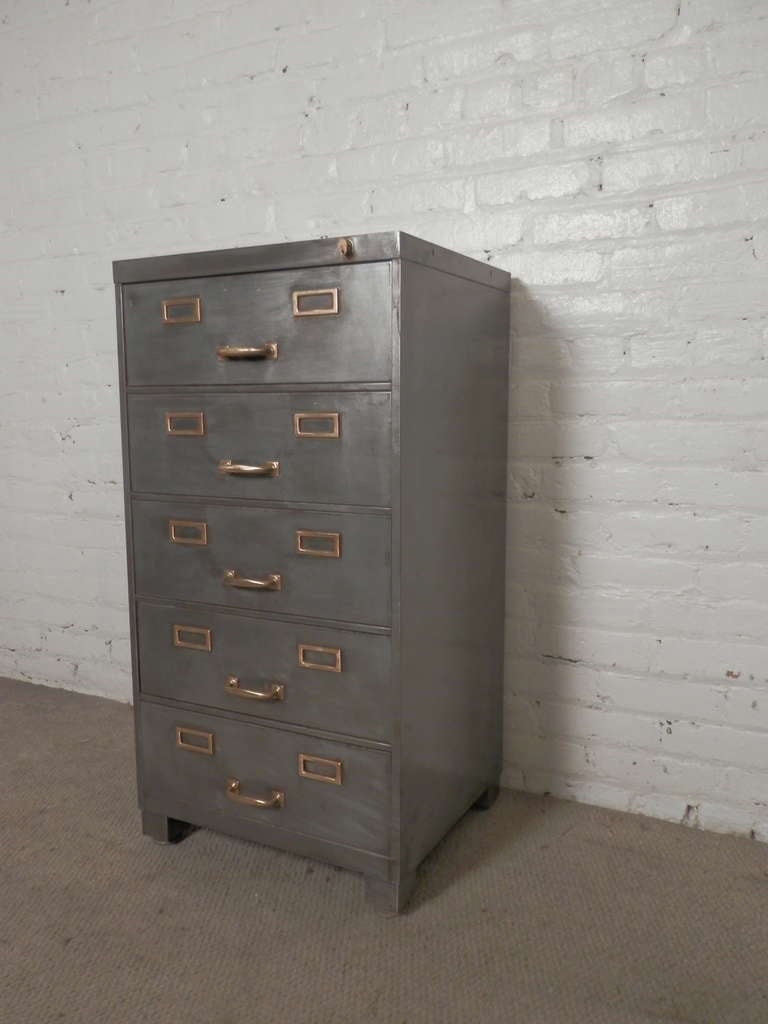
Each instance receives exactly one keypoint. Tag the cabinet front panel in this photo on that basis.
(320, 787)
(325, 447)
(251, 559)
(328, 324)
(328, 679)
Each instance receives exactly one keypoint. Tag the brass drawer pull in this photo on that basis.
(186, 531)
(319, 544)
(316, 302)
(198, 748)
(268, 351)
(321, 769)
(195, 638)
(275, 692)
(186, 310)
(317, 424)
(233, 579)
(230, 468)
(185, 424)
(276, 797)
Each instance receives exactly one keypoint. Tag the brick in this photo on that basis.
(485, 52)
(376, 163)
(553, 267)
(530, 399)
(737, 105)
(714, 208)
(499, 98)
(540, 182)
(431, 111)
(679, 66)
(591, 223)
(723, 399)
(620, 26)
(718, 817)
(728, 253)
(240, 24)
(482, 230)
(590, 356)
(680, 442)
(704, 15)
(437, 195)
(548, 90)
(552, 440)
(737, 49)
(666, 115)
(652, 169)
(696, 486)
(604, 79)
(438, 22)
(497, 144)
(312, 48)
(240, 65)
(357, 80)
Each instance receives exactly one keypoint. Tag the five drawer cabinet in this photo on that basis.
(314, 441)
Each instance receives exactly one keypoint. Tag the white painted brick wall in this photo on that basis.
(613, 155)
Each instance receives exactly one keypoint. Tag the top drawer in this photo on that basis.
(328, 324)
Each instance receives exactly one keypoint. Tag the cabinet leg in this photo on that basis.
(389, 898)
(486, 799)
(163, 829)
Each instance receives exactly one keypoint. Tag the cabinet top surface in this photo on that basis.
(320, 252)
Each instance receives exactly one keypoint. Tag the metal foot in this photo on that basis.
(389, 898)
(163, 829)
(486, 799)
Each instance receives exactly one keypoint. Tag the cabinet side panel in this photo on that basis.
(451, 531)
(129, 549)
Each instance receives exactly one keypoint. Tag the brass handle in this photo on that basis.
(233, 579)
(268, 351)
(276, 797)
(275, 692)
(230, 468)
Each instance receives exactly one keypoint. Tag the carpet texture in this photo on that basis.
(536, 912)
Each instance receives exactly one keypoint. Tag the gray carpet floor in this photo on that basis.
(536, 912)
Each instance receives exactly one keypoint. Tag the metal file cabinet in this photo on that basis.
(314, 440)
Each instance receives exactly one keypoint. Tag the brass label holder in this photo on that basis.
(307, 762)
(203, 641)
(185, 424)
(312, 309)
(328, 545)
(186, 309)
(331, 420)
(307, 650)
(187, 531)
(196, 748)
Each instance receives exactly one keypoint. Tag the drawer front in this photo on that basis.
(257, 544)
(195, 758)
(331, 448)
(218, 330)
(329, 679)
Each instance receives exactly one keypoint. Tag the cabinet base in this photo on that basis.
(389, 898)
(163, 829)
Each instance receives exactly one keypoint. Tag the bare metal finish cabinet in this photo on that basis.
(314, 452)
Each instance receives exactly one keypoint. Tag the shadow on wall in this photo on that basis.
(539, 659)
